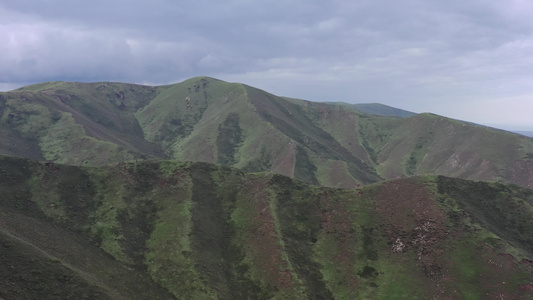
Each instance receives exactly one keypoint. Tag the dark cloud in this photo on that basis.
(412, 54)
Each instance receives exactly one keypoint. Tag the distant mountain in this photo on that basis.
(526, 133)
(208, 120)
(165, 230)
(382, 110)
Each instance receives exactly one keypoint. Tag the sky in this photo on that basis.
(469, 60)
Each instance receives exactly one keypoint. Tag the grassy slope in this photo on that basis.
(227, 234)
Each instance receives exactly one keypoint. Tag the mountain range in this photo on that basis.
(213, 190)
(208, 120)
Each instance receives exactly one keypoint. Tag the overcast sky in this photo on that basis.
(470, 60)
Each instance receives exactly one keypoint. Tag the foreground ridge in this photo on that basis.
(163, 229)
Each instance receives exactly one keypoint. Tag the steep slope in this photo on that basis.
(208, 120)
(206, 231)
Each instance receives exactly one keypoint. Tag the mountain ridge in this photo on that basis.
(205, 119)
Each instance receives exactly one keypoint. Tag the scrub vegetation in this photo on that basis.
(201, 231)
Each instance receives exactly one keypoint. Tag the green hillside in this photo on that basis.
(163, 229)
(208, 120)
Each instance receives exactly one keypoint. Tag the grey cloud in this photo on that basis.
(400, 53)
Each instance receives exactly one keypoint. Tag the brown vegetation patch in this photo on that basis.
(337, 224)
(527, 288)
(499, 282)
(414, 223)
(521, 173)
(285, 163)
(263, 240)
(339, 177)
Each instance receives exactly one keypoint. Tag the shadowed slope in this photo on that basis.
(43, 210)
(40, 260)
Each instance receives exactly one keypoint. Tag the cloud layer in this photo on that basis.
(470, 60)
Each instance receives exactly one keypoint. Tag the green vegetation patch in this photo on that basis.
(169, 258)
(105, 228)
(28, 117)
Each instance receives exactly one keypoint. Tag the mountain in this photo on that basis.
(376, 109)
(208, 120)
(189, 230)
(213, 190)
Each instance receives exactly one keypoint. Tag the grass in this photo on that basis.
(304, 167)
(48, 200)
(106, 227)
(469, 270)
(169, 258)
